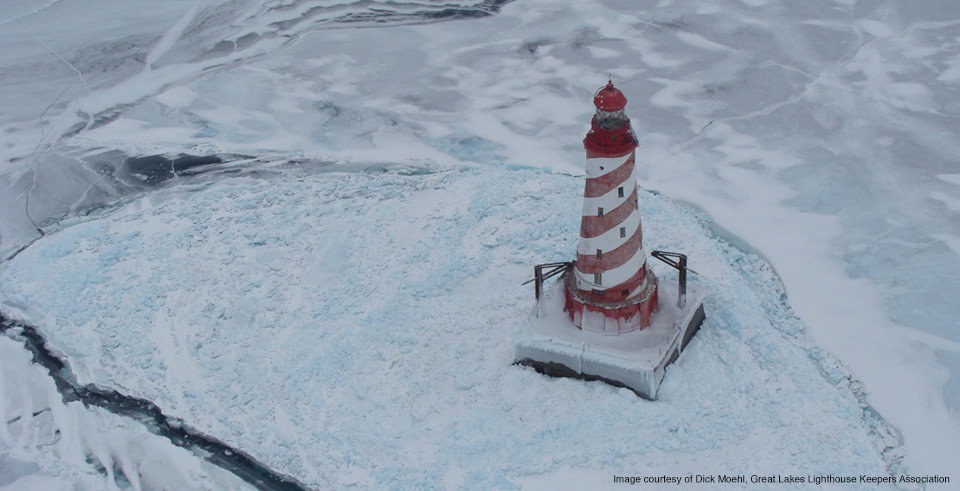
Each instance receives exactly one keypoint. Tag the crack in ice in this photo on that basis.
(147, 413)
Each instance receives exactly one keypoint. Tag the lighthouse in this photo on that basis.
(603, 318)
(612, 289)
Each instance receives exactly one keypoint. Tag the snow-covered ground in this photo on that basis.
(48, 444)
(357, 329)
(818, 139)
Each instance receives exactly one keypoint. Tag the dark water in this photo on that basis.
(155, 169)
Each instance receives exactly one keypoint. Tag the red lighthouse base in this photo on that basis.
(592, 314)
(553, 345)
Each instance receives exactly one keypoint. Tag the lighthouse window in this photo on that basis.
(636, 204)
(596, 291)
(623, 232)
(624, 292)
(598, 278)
(600, 212)
(599, 254)
(620, 192)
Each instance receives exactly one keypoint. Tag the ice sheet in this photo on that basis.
(821, 134)
(48, 444)
(357, 328)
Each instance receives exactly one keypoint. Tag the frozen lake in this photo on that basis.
(810, 149)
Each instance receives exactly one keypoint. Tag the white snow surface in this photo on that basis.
(356, 329)
(51, 445)
(820, 136)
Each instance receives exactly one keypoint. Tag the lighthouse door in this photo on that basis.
(610, 326)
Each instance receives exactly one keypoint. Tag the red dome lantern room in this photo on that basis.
(609, 99)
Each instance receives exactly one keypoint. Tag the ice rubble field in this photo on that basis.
(57, 445)
(355, 329)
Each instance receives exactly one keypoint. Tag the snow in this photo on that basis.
(48, 444)
(817, 138)
(353, 336)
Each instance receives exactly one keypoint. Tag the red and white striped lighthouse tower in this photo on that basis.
(611, 289)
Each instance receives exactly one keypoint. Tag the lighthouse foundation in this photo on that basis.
(613, 318)
(637, 360)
